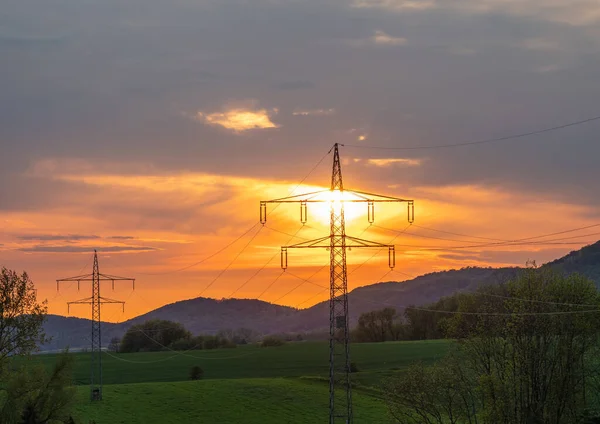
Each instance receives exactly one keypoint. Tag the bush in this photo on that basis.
(196, 373)
(184, 344)
(210, 342)
(271, 341)
(153, 335)
(353, 367)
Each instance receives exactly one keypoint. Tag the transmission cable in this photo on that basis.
(292, 236)
(484, 313)
(471, 143)
(457, 234)
(515, 242)
(231, 262)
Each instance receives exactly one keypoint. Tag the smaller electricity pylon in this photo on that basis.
(96, 301)
(337, 242)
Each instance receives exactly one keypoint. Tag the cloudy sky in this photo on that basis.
(151, 129)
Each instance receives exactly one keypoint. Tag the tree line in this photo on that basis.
(526, 353)
(157, 335)
(425, 322)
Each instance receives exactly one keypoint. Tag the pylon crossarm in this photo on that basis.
(305, 197)
(114, 277)
(362, 197)
(76, 278)
(325, 242)
(309, 243)
(107, 300)
(358, 242)
(85, 301)
(372, 197)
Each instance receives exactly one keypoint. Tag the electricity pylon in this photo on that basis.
(340, 408)
(96, 301)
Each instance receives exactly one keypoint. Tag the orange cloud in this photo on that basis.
(239, 119)
(385, 162)
(186, 217)
(382, 38)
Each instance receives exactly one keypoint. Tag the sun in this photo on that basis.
(336, 199)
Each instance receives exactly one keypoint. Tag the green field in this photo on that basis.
(249, 384)
(266, 400)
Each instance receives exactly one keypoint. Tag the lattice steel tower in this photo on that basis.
(340, 406)
(96, 301)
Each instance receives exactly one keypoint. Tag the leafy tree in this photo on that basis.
(528, 349)
(153, 335)
(21, 316)
(238, 336)
(440, 394)
(196, 373)
(272, 341)
(28, 394)
(114, 344)
(377, 326)
(32, 395)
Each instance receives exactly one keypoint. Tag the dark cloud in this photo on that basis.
(68, 237)
(296, 85)
(121, 85)
(122, 237)
(85, 249)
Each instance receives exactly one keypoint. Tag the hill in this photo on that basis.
(202, 315)
(585, 261)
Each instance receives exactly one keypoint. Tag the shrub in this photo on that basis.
(196, 373)
(184, 344)
(353, 367)
(271, 341)
(210, 342)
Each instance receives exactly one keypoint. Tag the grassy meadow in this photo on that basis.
(250, 384)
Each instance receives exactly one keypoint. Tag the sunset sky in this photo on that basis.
(150, 130)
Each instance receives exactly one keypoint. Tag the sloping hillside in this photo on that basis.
(202, 315)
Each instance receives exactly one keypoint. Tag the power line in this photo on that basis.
(212, 255)
(307, 280)
(515, 242)
(456, 234)
(311, 298)
(529, 300)
(241, 235)
(177, 355)
(234, 259)
(271, 285)
(484, 313)
(287, 234)
(187, 350)
(292, 236)
(379, 251)
(505, 297)
(349, 273)
(231, 262)
(304, 280)
(471, 143)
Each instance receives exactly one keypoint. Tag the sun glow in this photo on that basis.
(335, 200)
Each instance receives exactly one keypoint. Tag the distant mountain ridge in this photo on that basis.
(203, 315)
